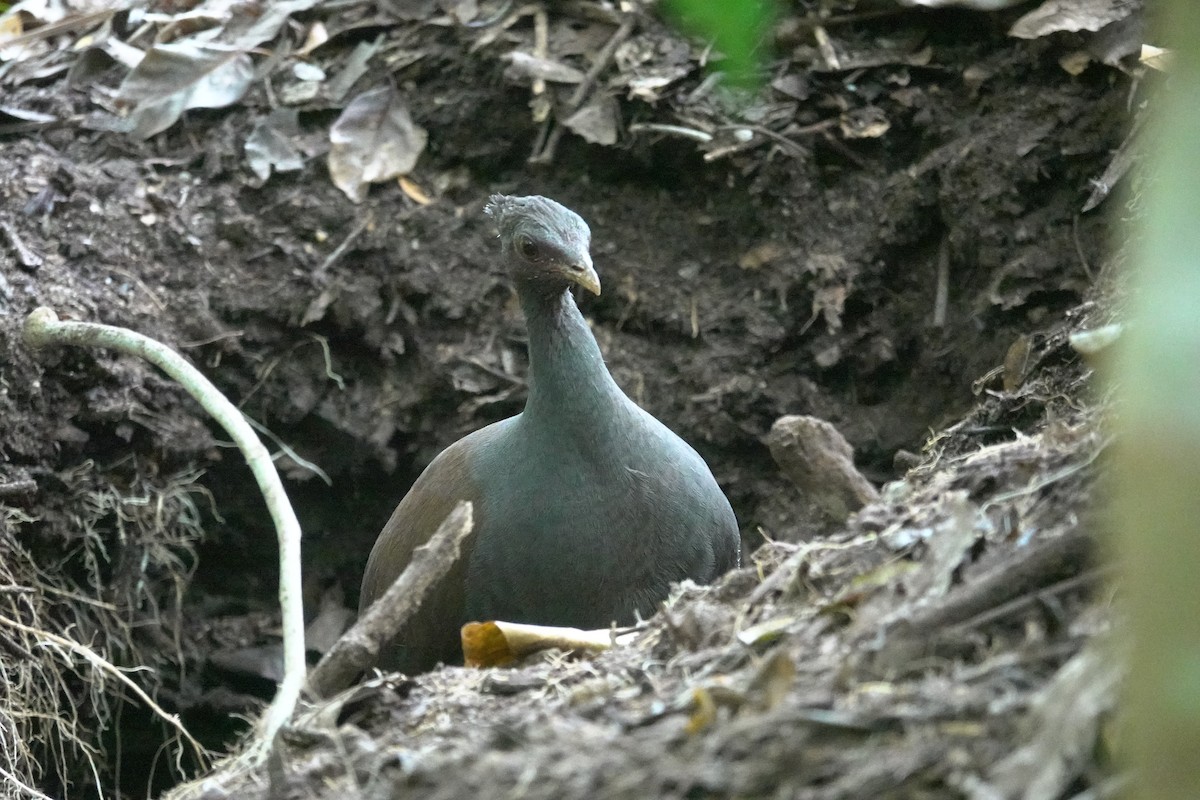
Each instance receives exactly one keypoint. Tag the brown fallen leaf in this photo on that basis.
(10, 26)
(704, 711)
(1016, 362)
(761, 255)
(484, 645)
(774, 679)
(374, 140)
(413, 191)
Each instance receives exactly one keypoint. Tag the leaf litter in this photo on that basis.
(926, 646)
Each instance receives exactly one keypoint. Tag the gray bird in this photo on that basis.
(587, 508)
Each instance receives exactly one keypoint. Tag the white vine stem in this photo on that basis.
(43, 328)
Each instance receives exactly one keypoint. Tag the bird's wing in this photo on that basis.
(433, 633)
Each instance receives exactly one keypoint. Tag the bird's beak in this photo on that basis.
(585, 275)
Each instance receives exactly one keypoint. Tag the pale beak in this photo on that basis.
(585, 275)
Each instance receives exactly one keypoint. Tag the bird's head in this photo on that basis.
(543, 241)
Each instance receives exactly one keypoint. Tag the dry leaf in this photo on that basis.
(493, 644)
(462, 11)
(863, 586)
(1015, 362)
(305, 71)
(704, 711)
(16, 120)
(760, 255)
(1116, 42)
(1095, 341)
(374, 140)
(950, 539)
(252, 24)
(765, 632)
(529, 66)
(354, 67)
(126, 55)
(317, 36)
(321, 303)
(331, 622)
(597, 121)
(869, 122)
(484, 645)
(1075, 62)
(773, 681)
(10, 26)
(172, 78)
(1053, 16)
(269, 146)
(819, 460)
(413, 191)
(1155, 57)
(1064, 720)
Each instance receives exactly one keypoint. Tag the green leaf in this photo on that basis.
(739, 30)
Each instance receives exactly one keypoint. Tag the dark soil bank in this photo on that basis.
(889, 236)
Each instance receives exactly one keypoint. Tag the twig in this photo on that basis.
(329, 373)
(211, 339)
(29, 790)
(1083, 261)
(339, 251)
(18, 488)
(541, 45)
(678, 130)
(1029, 572)
(601, 63)
(844, 149)
(104, 666)
(29, 259)
(43, 328)
(358, 647)
(505, 7)
(540, 105)
(62, 26)
(1024, 601)
(796, 148)
(515, 380)
(941, 296)
(546, 154)
(1043, 481)
(826, 48)
(288, 451)
(142, 285)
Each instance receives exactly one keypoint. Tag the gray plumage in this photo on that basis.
(587, 508)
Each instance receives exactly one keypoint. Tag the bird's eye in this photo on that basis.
(527, 247)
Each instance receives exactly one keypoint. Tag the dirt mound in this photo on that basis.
(888, 236)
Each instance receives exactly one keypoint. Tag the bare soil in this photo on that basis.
(790, 264)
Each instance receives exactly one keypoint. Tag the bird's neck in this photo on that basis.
(568, 380)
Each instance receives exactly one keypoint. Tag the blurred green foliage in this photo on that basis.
(1157, 510)
(739, 30)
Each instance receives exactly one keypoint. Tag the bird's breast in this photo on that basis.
(582, 532)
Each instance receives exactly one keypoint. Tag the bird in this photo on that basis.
(586, 507)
